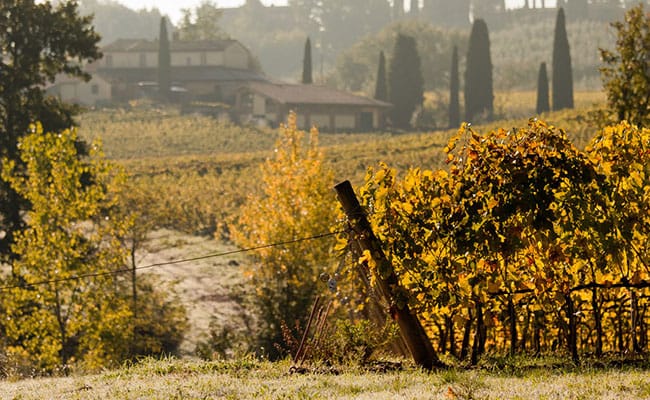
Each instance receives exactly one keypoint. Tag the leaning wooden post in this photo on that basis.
(410, 328)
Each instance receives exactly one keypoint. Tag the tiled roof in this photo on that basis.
(140, 45)
(311, 94)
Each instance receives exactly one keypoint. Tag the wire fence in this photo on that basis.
(172, 262)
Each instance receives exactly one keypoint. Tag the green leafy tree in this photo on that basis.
(53, 317)
(306, 64)
(381, 89)
(201, 23)
(38, 41)
(454, 88)
(296, 201)
(356, 66)
(405, 82)
(164, 61)
(626, 74)
(113, 20)
(343, 22)
(562, 70)
(479, 94)
(542, 91)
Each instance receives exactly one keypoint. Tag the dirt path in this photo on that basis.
(206, 287)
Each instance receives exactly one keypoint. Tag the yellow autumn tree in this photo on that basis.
(296, 202)
(62, 304)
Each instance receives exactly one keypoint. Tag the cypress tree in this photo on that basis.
(164, 61)
(542, 90)
(562, 74)
(454, 87)
(306, 64)
(405, 82)
(381, 91)
(479, 95)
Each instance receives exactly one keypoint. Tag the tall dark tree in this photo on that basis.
(164, 61)
(542, 90)
(479, 94)
(405, 82)
(381, 90)
(454, 88)
(562, 71)
(38, 41)
(306, 64)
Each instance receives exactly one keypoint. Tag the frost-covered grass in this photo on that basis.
(252, 379)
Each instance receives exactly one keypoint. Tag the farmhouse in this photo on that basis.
(206, 69)
(326, 108)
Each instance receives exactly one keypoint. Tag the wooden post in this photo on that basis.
(410, 328)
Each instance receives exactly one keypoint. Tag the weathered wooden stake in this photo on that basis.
(410, 328)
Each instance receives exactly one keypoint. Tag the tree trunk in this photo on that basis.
(451, 334)
(464, 348)
(525, 333)
(598, 321)
(134, 294)
(634, 321)
(538, 324)
(619, 331)
(442, 338)
(573, 332)
(512, 316)
(477, 348)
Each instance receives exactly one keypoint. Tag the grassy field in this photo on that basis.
(252, 379)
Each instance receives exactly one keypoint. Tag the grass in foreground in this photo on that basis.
(252, 379)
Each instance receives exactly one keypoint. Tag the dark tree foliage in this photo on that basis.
(306, 64)
(164, 61)
(405, 82)
(381, 90)
(479, 94)
(562, 71)
(38, 41)
(542, 90)
(454, 87)
(626, 74)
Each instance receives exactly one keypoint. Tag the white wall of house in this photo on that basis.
(259, 105)
(321, 120)
(85, 93)
(345, 121)
(235, 56)
(125, 59)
